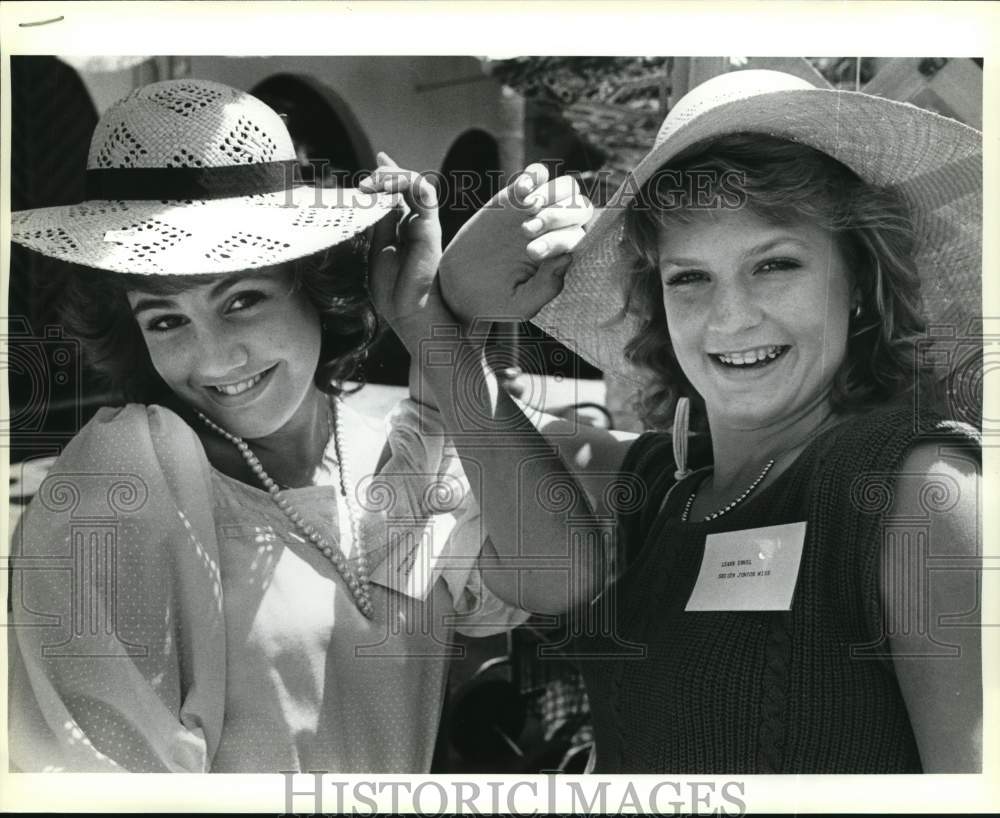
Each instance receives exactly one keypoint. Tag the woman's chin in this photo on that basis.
(247, 422)
(744, 415)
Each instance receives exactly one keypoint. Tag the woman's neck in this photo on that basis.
(291, 455)
(740, 454)
(303, 438)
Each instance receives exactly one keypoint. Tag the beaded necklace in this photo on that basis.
(358, 583)
(682, 414)
(725, 509)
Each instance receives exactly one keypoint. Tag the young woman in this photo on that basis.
(229, 573)
(762, 268)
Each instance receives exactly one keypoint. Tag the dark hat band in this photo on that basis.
(191, 183)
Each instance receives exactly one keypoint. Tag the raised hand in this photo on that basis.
(508, 260)
(406, 250)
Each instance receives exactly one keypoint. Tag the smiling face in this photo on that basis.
(757, 314)
(243, 349)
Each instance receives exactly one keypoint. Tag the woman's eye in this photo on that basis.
(164, 323)
(684, 277)
(243, 301)
(777, 264)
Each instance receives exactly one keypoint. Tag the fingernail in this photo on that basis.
(534, 203)
(427, 196)
(539, 248)
(533, 225)
(525, 183)
(387, 185)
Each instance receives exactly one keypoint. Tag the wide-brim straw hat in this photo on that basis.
(934, 162)
(191, 177)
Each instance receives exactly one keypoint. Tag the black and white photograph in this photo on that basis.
(561, 422)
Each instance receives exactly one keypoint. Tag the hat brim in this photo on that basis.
(934, 162)
(198, 237)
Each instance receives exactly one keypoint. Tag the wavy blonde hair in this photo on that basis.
(783, 182)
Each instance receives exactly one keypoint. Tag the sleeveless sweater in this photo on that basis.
(810, 690)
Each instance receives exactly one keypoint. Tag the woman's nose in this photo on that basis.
(733, 309)
(219, 351)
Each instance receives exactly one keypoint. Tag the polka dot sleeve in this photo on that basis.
(429, 485)
(117, 651)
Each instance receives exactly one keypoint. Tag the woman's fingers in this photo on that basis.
(383, 260)
(563, 191)
(418, 192)
(532, 192)
(531, 178)
(559, 212)
(555, 243)
(575, 212)
(543, 286)
(418, 230)
(384, 231)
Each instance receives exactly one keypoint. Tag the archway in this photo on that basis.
(470, 176)
(331, 145)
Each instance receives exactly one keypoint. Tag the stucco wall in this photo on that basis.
(413, 123)
(412, 107)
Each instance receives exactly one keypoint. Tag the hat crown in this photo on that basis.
(725, 88)
(188, 123)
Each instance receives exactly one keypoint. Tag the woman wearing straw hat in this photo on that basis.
(221, 586)
(762, 270)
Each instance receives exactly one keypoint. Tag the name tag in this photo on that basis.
(751, 570)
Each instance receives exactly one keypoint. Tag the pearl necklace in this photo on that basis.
(732, 505)
(358, 583)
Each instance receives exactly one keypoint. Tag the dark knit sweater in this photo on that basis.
(811, 690)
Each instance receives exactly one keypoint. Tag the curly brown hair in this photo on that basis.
(93, 307)
(781, 181)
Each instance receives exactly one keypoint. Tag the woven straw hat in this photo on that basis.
(190, 177)
(933, 161)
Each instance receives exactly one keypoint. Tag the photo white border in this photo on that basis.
(501, 28)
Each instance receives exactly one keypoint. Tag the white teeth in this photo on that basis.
(239, 388)
(749, 356)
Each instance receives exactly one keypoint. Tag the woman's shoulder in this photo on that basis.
(143, 461)
(862, 459)
(132, 416)
(128, 436)
(892, 430)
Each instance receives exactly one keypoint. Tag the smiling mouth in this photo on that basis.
(755, 358)
(240, 387)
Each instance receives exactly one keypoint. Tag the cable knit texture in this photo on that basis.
(811, 690)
